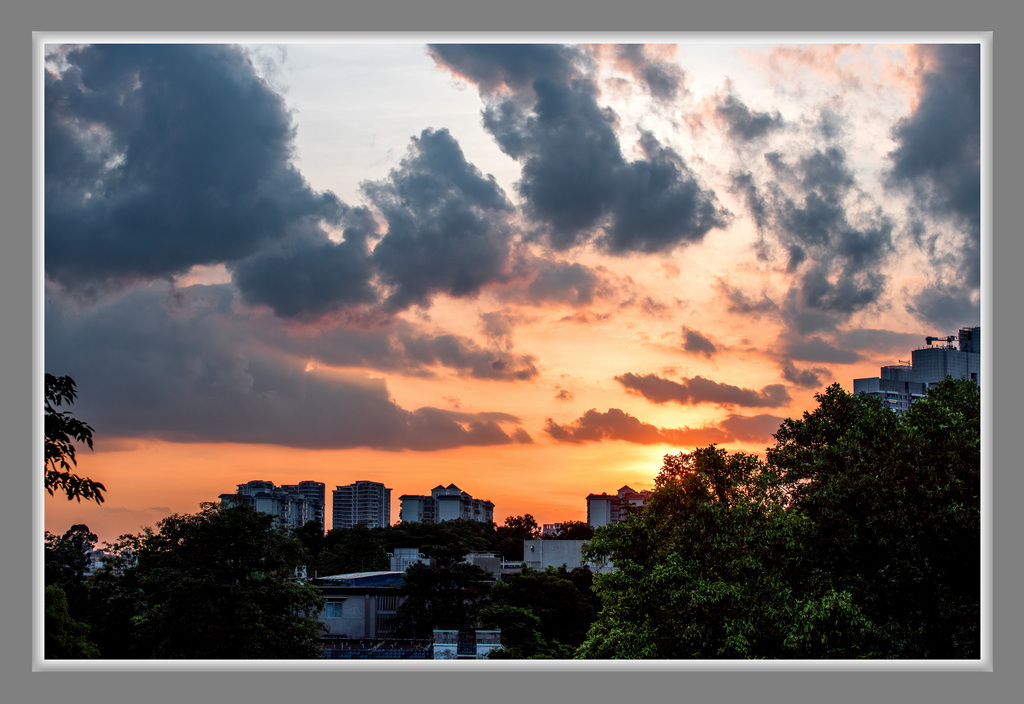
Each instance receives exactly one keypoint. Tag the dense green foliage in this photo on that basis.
(62, 430)
(542, 614)
(216, 584)
(858, 536)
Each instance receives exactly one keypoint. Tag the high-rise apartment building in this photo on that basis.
(292, 506)
(603, 509)
(445, 503)
(362, 502)
(899, 385)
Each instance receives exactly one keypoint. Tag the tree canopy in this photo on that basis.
(858, 536)
(220, 583)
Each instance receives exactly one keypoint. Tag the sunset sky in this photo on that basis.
(528, 269)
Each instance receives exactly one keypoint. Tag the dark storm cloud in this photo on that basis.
(939, 150)
(745, 124)
(811, 378)
(160, 157)
(938, 160)
(175, 368)
(694, 342)
(615, 424)
(308, 274)
(575, 182)
(700, 390)
(513, 66)
(446, 227)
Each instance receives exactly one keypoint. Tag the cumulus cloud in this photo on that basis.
(308, 275)
(161, 157)
(576, 182)
(832, 245)
(152, 366)
(616, 424)
(446, 229)
(697, 390)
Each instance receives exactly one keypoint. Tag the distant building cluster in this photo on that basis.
(292, 505)
(899, 385)
(603, 509)
(445, 503)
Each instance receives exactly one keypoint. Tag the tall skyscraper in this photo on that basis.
(445, 503)
(362, 502)
(899, 385)
(292, 506)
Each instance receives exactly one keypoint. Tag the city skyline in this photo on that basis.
(528, 270)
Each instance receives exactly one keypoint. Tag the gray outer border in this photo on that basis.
(18, 388)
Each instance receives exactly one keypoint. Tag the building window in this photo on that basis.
(333, 609)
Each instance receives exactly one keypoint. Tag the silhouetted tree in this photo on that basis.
(62, 430)
(216, 584)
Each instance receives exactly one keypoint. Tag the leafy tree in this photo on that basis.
(573, 530)
(510, 536)
(858, 536)
(701, 571)
(216, 584)
(447, 594)
(543, 614)
(358, 549)
(893, 509)
(62, 430)
(65, 563)
(65, 638)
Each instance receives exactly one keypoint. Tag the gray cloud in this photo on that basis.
(834, 248)
(161, 157)
(696, 343)
(743, 123)
(575, 180)
(173, 368)
(939, 144)
(664, 80)
(308, 275)
(700, 390)
(568, 283)
(815, 349)
(812, 378)
(446, 224)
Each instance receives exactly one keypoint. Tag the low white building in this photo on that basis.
(541, 554)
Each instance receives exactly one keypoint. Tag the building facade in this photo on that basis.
(445, 503)
(291, 506)
(899, 385)
(362, 502)
(603, 509)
